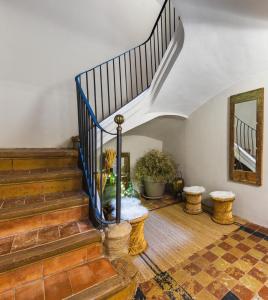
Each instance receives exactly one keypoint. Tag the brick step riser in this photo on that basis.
(50, 218)
(34, 188)
(22, 164)
(49, 266)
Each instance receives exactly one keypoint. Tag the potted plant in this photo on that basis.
(154, 170)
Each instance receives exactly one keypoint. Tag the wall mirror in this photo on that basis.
(246, 137)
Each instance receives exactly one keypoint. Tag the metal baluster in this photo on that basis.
(169, 20)
(158, 44)
(95, 93)
(114, 87)
(101, 171)
(108, 88)
(162, 37)
(120, 81)
(130, 73)
(102, 106)
(119, 120)
(151, 53)
(166, 27)
(146, 66)
(154, 54)
(174, 20)
(126, 76)
(136, 72)
(141, 69)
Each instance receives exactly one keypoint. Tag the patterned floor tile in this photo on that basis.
(233, 268)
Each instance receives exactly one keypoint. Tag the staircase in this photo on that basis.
(48, 247)
(105, 90)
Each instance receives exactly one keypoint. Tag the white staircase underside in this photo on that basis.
(246, 159)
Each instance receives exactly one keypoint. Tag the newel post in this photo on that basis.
(119, 120)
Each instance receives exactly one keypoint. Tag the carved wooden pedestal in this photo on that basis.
(223, 210)
(137, 243)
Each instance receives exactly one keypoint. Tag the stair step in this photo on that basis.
(21, 184)
(64, 284)
(37, 245)
(31, 159)
(21, 215)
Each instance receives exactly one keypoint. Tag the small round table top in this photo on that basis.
(222, 195)
(194, 189)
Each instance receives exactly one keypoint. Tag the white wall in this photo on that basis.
(44, 44)
(206, 152)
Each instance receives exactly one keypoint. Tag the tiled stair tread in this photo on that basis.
(127, 274)
(67, 283)
(21, 207)
(16, 177)
(36, 152)
(26, 256)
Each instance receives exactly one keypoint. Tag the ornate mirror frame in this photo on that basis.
(248, 177)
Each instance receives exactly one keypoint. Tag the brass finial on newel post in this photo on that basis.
(119, 120)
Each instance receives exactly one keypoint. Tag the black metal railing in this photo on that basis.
(245, 136)
(103, 90)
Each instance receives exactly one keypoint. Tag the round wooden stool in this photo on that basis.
(193, 195)
(137, 242)
(223, 207)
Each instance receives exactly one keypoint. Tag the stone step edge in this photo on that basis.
(13, 261)
(40, 177)
(7, 214)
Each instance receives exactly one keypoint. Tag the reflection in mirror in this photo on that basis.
(245, 121)
(246, 137)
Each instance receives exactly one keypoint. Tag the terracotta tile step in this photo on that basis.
(45, 243)
(65, 283)
(27, 206)
(40, 236)
(119, 287)
(40, 183)
(37, 152)
(20, 177)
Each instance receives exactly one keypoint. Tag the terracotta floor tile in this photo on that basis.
(205, 295)
(237, 237)
(5, 245)
(228, 281)
(8, 295)
(210, 256)
(48, 234)
(102, 269)
(204, 278)
(258, 274)
(192, 269)
(31, 291)
(212, 271)
(217, 289)
(262, 248)
(242, 292)
(263, 292)
(249, 259)
(64, 262)
(192, 286)
(235, 272)
(24, 240)
(57, 286)
(94, 251)
(242, 247)
(225, 246)
(229, 258)
(68, 229)
(265, 259)
(251, 283)
(81, 277)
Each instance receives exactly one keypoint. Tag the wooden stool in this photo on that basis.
(193, 195)
(223, 207)
(137, 242)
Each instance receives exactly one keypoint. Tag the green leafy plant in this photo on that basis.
(156, 165)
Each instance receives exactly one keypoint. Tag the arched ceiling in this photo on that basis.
(226, 41)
